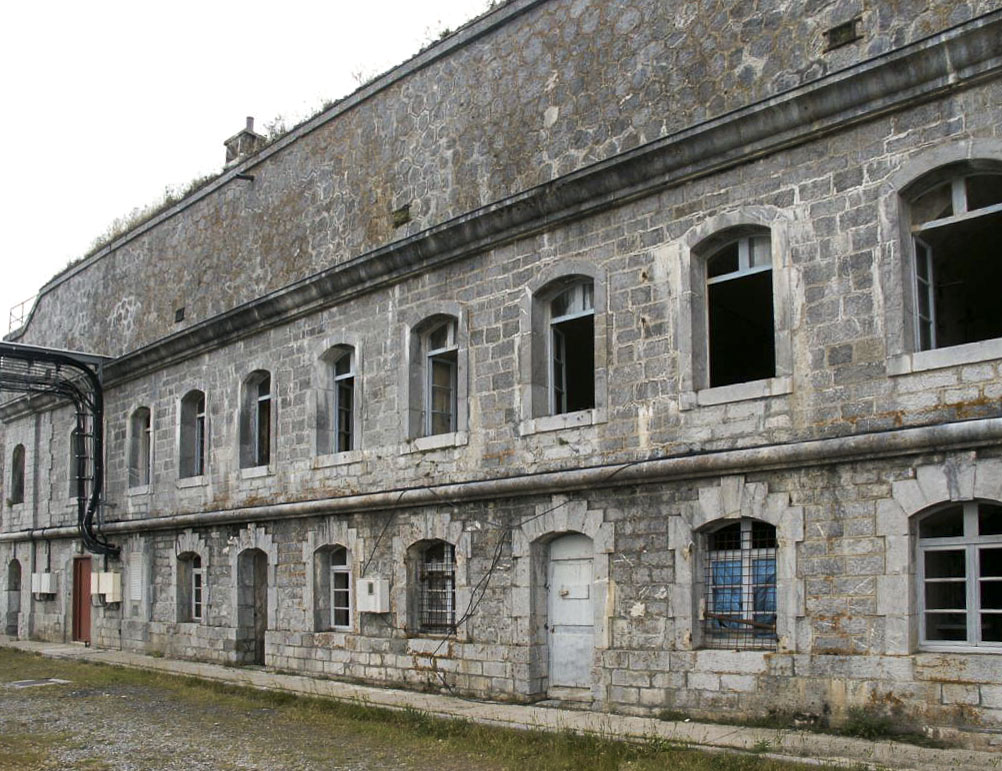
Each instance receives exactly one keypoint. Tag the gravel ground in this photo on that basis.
(105, 718)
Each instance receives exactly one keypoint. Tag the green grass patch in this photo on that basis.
(401, 738)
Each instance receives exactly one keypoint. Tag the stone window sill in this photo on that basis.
(941, 358)
(974, 650)
(337, 459)
(436, 442)
(738, 392)
(185, 482)
(134, 492)
(546, 423)
(256, 472)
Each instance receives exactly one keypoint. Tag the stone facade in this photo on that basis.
(553, 144)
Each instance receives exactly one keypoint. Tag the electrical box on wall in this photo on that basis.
(107, 584)
(44, 584)
(373, 595)
(111, 586)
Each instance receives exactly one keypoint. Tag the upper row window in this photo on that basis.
(741, 337)
(955, 225)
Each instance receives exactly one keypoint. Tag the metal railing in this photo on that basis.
(19, 313)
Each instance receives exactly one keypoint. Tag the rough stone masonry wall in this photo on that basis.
(840, 653)
(559, 87)
(844, 275)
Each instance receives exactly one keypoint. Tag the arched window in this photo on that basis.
(332, 588)
(434, 378)
(738, 602)
(256, 420)
(140, 446)
(571, 340)
(193, 436)
(433, 583)
(960, 575)
(740, 329)
(956, 222)
(337, 409)
(190, 587)
(17, 475)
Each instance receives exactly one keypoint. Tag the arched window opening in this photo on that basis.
(739, 311)
(960, 575)
(572, 349)
(17, 475)
(738, 606)
(256, 420)
(190, 587)
(192, 461)
(956, 222)
(140, 446)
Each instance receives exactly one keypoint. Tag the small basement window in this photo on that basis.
(956, 225)
(739, 300)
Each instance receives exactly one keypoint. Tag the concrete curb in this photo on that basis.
(782, 744)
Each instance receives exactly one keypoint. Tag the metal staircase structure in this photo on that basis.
(77, 378)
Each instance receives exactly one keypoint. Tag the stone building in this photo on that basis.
(645, 354)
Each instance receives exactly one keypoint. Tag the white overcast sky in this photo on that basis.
(104, 104)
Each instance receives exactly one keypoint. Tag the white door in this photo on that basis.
(570, 614)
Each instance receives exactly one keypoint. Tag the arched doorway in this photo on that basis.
(570, 614)
(252, 605)
(13, 598)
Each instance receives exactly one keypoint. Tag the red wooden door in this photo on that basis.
(81, 599)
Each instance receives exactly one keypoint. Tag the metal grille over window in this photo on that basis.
(739, 607)
(437, 589)
(960, 573)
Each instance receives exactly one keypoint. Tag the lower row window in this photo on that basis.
(739, 606)
(960, 575)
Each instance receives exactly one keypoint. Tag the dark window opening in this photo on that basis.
(956, 225)
(741, 327)
(262, 449)
(572, 341)
(344, 403)
(17, 475)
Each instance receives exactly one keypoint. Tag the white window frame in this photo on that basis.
(343, 381)
(444, 355)
(262, 454)
(343, 571)
(745, 269)
(197, 588)
(922, 251)
(971, 543)
(580, 304)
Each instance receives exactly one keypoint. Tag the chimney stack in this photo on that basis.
(243, 144)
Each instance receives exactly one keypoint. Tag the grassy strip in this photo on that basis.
(412, 731)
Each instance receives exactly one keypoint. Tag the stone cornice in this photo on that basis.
(859, 448)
